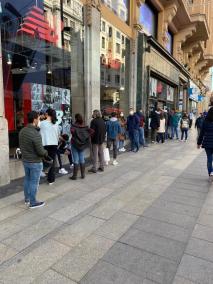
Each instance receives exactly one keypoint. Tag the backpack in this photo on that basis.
(81, 138)
(185, 123)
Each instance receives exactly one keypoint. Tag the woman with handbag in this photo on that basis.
(79, 142)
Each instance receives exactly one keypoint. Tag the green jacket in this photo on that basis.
(31, 145)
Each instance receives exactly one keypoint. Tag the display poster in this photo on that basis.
(153, 87)
(170, 93)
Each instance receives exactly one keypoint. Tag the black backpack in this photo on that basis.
(81, 137)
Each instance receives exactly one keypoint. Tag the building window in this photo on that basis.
(72, 25)
(118, 35)
(110, 31)
(117, 79)
(109, 78)
(118, 48)
(66, 23)
(103, 42)
(103, 26)
(102, 76)
(66, 44)
(69, 2)
(123, 40)
(119, 7)
(149, 19)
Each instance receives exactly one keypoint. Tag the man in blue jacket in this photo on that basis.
(113, 129)
(133, 125)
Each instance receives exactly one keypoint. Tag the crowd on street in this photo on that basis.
(43, 141)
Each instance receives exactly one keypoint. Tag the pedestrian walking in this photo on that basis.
(199, 123)
(141, 128)
(184, 126)
(162, 128)
(122, 135)
(50, 137)
(175, 118)
(113, 130)
(97, 140)
(79, 142)
(133, 124)
(32, 154)
(205, 140)
(154, 124)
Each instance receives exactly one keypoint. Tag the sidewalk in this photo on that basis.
(147, 220)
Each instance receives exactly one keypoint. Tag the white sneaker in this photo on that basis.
(43, 174)
(115, 163)
(63, 171)
(71, 166)
(123, 150)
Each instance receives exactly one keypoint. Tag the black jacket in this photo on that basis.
(155, 120)
(206, 135)
(99, 127)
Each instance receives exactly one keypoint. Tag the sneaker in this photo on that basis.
(51, 183)
(63, 171)
(115, 163)
(43, 174)
(71, 166)
(123, 149)
(101, 169)
(27, 202)
(37, 205)
(93, 171)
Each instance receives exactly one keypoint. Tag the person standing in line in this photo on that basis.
(169, 126)
(199, 123)
(154, 124)
(113, 130)
(97, 140)
(205, 140)
(64, 149)
(175, 118)
(133, 124)
(50, 133)
(162, 128)
(80, 141)
(184, 126)
(32, 154)
(122, 136)
(141, 128)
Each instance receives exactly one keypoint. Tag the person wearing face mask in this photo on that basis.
(133, 124)
(122, 135)
(141, 128)
(32, 154)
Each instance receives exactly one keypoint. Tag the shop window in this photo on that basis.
(149, 19)
(117, 79)
(103, 26)
(118, 48)
(103, 42)
(118, 35)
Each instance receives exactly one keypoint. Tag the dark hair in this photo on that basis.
(209, 116)
(31, 116)
(79, 118)
(52, 113)
(96, 113)
(65, 137)
(113, 114)
(184, 115)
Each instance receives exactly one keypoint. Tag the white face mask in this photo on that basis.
(131, 112)
(121, 114)
(39, 124)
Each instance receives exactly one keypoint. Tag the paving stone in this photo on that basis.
(115, 227)
(200, 248)
(106, 273)
(142, 263)
(195, 269)
(83, 257)
(170, 217)
(205, 219)
(162, 229)
(107, 209)
(6, 253)
(138, 206)
(26, 237)
(175, 197)
(203, 232)
(28, 267)
(154, 244)
(52, 277)
(187, 193)
(208, 209)
(73, 234)
(177, 207)
(97, 195)
(9, 211)
(9, 228)
(192, 187)
(181, 280)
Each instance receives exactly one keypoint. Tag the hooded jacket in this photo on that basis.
(113, 128)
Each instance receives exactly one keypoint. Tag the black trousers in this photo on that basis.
(52, 150)
(114, 143)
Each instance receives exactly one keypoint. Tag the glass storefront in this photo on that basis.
(114, 62)
(36, 68)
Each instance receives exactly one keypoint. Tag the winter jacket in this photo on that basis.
(199, 122)
(175, 120)
(133, 123)
(184, 123)
(99, 127)
(113, 128)
(31, 145)
(155, 120)
(206, 135)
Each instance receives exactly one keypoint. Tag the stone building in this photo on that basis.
(80, 55)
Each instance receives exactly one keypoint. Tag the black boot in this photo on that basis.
(75, 172)
(82, 166)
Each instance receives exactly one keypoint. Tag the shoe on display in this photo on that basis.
(63, 171)
(36, 205)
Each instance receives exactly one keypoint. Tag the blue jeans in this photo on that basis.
(209, 153)
(184, 131)
(134, 138)
(175, 132)
(141, 136)
(78, 156)
(31, 180)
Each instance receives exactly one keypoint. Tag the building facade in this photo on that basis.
(76, 56)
